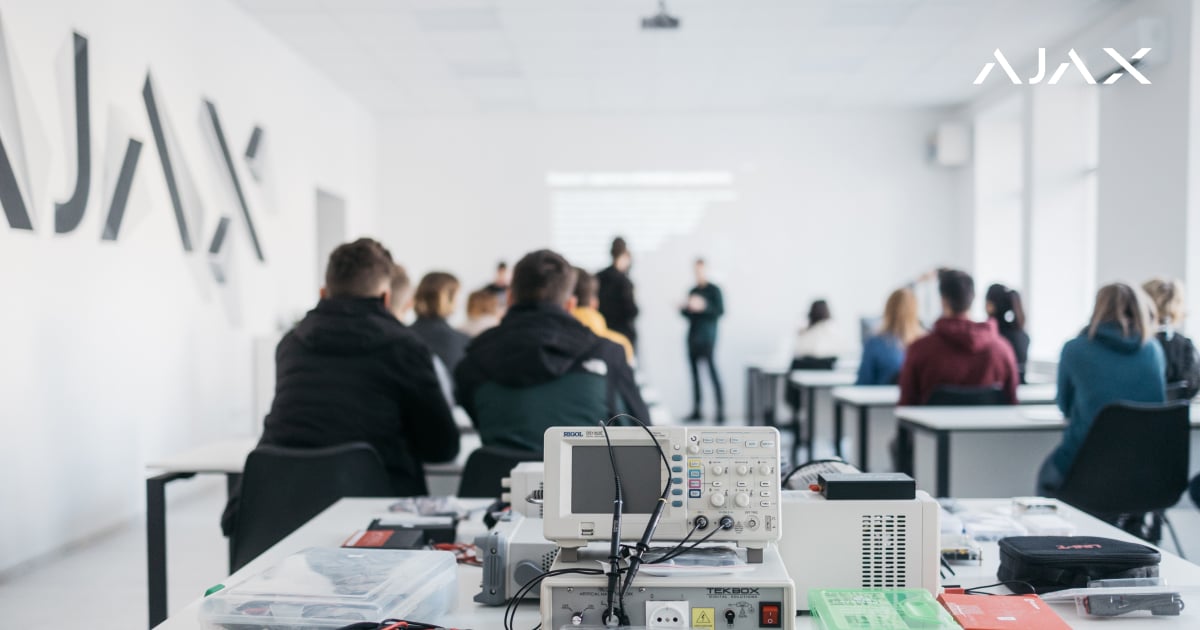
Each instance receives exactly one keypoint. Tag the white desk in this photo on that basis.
(864, 398)
(333, 525)
(810, 383)
(943, 422)
(227, 457)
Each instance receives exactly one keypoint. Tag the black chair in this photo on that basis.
(960, 396)
(945, 396)
(1133, 462)
(283, 488)
(1179, 390)
(486, 466)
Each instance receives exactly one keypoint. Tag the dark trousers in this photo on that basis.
(703, 351)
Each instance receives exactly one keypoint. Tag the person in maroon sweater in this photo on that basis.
(958, 351)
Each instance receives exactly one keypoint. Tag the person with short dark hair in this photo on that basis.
(541, 367)
(351, 372)
(585, 311)
(1004, 306)
(705, 305)
(617, 303)
(434, 303)
(958, 352)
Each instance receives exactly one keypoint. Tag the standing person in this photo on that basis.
(499, 286)
(1005, 307)
(434, 303)
(703, 308)
(883, 353)
(958, 352)
(1183, 366)
(1114, 359)
(483, 312)
(617, 303)
(351, 372)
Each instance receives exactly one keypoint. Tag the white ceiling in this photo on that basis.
(419, 57)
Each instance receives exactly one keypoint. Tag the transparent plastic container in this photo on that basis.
(1142, 597)
(333, 587)
(878, 609)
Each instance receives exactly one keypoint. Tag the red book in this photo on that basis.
(1002, 612)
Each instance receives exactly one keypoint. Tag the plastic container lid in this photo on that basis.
(333, 587)
(878, 609)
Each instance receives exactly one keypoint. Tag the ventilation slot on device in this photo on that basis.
(884, 551)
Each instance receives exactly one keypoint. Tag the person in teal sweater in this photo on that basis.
(703, 308)
(1116, 358)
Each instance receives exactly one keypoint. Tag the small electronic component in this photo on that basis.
(1115, 605)
(961, 549)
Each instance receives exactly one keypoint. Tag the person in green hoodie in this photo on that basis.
(703, 308)
(1116, 358)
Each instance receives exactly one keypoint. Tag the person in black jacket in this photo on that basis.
(434, 302)
(617, 303)
(351, 372)
(703, 308)
(1004, 305)
(541, 367)
(1183, 365)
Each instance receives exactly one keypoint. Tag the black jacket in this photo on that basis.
(616, 302)
(538, 343)
(1019, 340)
(1183, 366)
(702, 329)
(446, 342)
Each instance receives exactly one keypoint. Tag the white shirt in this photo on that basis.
(820, 340)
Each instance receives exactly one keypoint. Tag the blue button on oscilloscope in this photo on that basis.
(677, 458)
(677, 492)
(677, 469)
(677, 504)
(695, 473)
(676, 480)
(694, 494)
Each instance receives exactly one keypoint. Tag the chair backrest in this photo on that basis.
(283, 488)
(487, 465)
(1179, 390)
(814, 363)
(517, 417)
(1133, 460)
(960, 396)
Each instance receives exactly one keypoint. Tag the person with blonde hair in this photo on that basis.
(1114, 359)
(1183, 365)
(587, 302)
(483, 311)
(883, 353)
(435, 302)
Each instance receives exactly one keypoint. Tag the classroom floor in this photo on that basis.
(104, 582)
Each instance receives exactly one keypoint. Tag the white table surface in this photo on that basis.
(889, 395)
(995, 418)
(332, 526)
(822, 378)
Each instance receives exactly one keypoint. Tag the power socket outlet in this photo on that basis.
(662, 615)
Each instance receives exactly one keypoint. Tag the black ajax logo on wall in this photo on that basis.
(69, 214)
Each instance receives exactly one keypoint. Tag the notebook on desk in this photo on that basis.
(999, 612)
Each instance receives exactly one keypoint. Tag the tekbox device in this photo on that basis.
(855, 544)
(762, 597)
(513, 553)
(714, 472)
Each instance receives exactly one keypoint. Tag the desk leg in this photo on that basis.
(943, 464)
(864, 437)
(811, 420)
(904, 449)
(837, 428)
(232, 480)
(156, 543)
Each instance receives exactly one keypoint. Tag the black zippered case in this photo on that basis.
(1054, 563)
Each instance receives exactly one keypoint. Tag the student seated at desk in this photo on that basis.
(483, 312)
(541, 367)
(883, 353)
(587, 302)
(434, 302)
(1183, 365)
(351, 372)
(1004, 307)
(820, 339)
(958, 352)
(1114, 359)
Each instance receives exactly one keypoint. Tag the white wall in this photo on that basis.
(115, 353)
(836, 205)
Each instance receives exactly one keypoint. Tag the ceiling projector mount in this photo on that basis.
(661, 20)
